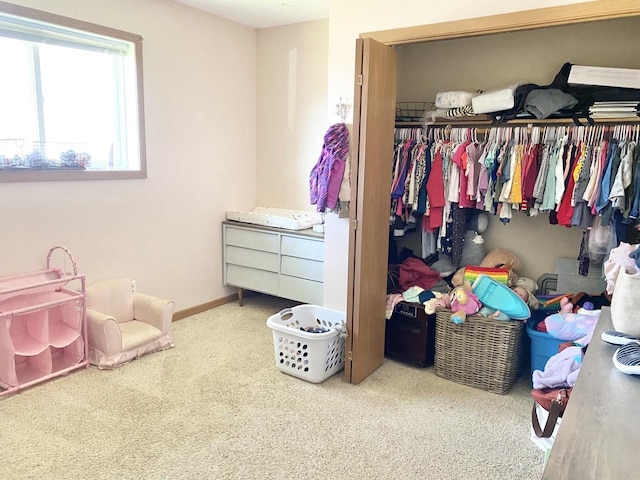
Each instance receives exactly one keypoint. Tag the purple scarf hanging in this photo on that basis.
(326, 176)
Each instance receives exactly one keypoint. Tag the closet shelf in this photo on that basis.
(25, 345)
(62, 335)
(481, 122)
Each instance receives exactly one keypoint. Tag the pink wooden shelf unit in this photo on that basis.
(43, 325)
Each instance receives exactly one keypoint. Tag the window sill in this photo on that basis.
(51, 175)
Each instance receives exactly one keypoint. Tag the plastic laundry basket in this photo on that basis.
(311, 356)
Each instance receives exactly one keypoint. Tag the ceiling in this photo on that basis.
(264, 13)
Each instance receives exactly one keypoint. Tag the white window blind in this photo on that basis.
(41, 32)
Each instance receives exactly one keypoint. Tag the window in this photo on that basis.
(71, 99)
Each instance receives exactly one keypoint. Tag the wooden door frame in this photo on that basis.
(501, 23)
(509, 22)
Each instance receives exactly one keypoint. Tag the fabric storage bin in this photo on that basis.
(482, 352)
(625, 304)
(310, 356)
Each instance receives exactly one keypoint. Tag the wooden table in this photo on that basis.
(599, 437)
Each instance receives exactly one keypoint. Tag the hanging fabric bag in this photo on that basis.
(625, 304)
(554, 401)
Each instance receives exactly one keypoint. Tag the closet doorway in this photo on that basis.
(372, 151)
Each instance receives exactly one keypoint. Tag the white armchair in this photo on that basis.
(123, 325)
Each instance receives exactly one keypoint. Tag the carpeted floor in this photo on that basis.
(215, 407)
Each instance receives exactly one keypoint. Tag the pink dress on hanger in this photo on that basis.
(435, 194)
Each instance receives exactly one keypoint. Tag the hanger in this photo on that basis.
(507, 135)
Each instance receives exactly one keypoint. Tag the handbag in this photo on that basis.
(554, 401)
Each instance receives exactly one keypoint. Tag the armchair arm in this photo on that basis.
(157, 312)
(103, 333)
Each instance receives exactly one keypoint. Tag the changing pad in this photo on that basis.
(277, 217)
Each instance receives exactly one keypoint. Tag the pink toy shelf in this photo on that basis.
(43, 325)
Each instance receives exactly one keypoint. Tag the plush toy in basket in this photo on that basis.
(463, 302)
(496, 258)
(501, 265)
(489, 298)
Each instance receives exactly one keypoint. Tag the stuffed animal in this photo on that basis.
(440, 301)
(496, 258)
(526, 289)
(528, 284)
(565, 305)
(463, 302)
(489, 312)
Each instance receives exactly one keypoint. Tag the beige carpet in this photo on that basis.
(215, 407)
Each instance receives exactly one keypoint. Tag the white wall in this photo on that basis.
(347, 20)
(292, 69)
(164, 231)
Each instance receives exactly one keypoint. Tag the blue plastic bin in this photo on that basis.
(543, 345)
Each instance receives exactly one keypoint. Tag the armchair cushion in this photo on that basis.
(123, 325)
(136, 334)
(113, 297)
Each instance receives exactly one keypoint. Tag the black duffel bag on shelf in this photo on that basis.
(585, 96)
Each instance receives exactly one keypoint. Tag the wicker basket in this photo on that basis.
(482, 352)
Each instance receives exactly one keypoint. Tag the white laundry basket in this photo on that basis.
(311, 356)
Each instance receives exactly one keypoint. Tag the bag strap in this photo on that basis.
(554, 414)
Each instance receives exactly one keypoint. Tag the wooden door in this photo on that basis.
(372, 158)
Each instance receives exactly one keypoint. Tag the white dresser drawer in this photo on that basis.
(264, 241)
(252, 279)
(302, 268)
(274, 261)
(300, 289)
(303, 248)
(252, 258)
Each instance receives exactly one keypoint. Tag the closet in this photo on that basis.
(481, 53)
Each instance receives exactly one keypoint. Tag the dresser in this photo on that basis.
(283, 263)
(600, 431)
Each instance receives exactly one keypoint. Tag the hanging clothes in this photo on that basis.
(579, 175)
(327, 175)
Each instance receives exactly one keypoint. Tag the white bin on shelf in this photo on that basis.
(310, 356)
